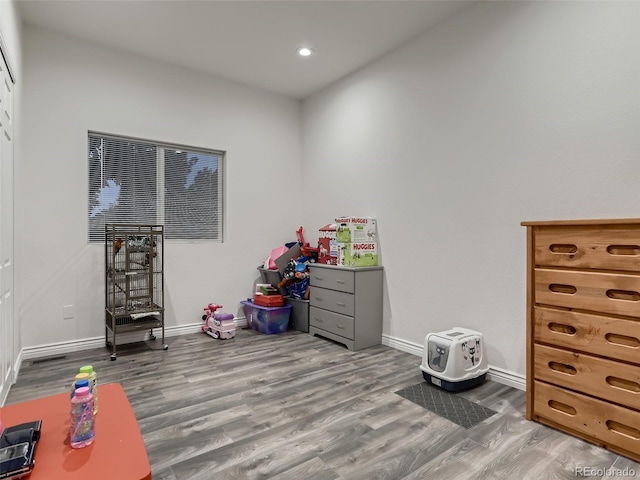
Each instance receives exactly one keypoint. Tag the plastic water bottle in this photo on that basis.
(82, 426)
(79, 384)
(79, 377)
(93, 382)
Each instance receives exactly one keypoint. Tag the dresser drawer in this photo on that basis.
(339, 302)
(602, 378)
(333, 278)
(602, 421)
(613, 247)
(595, 291)
(331, 322)
(600, 335)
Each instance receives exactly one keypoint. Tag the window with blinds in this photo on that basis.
(139, 181)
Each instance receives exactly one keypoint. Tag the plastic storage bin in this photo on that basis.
(267, 320)
(454, 359)
(299, 314)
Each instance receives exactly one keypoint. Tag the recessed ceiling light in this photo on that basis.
(304, 51)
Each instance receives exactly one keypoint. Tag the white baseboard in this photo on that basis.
(60, 348)
(506, 377)
(404, 345)
(495, 374)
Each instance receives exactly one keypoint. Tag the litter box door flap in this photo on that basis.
(471, 352)
(438, 355)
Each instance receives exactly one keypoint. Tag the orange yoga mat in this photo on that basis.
(118, 451)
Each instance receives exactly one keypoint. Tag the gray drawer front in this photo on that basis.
(339, 302)
(334, 279)
(331, 322)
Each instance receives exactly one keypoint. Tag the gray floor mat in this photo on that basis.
(449, 405)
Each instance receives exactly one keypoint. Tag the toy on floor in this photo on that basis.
(218, 325)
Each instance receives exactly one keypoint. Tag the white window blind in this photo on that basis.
(139, 181)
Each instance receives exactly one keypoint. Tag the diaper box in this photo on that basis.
(359, 254)
(356, 229)
(328, 245)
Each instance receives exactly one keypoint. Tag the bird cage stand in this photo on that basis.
(134, 281)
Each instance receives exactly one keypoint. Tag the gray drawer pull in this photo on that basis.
(340, 304)
(318, 278)
(341, 327)
(342, 282)
(319, 320)
(319, 299)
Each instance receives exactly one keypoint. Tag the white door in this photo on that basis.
(7, 330)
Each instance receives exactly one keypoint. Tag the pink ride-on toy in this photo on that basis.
(218, 325)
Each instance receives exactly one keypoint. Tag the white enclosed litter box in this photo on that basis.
(455, 359)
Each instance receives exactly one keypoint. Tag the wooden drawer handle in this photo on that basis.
(563, 248)
(623, 340)
(563, 368)
(624, 384)
(562, 407)
(623, 429)
(623, 249)
(560, 288)
(628, 295)
(562, 328)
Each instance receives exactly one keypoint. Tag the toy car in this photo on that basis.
(218, 325)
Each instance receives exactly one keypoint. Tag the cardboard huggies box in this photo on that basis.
(358, 254)
(356, 230)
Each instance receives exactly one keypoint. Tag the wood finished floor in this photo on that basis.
(296, 407)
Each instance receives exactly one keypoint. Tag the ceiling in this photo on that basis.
(253, 42)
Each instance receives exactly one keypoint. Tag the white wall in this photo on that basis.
(509, 111)
(71, 87)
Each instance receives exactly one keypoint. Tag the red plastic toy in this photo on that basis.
(305, 248)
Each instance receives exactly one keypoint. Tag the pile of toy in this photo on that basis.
(292, 261)
(295, 278)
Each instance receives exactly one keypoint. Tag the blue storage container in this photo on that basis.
(267, 320)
